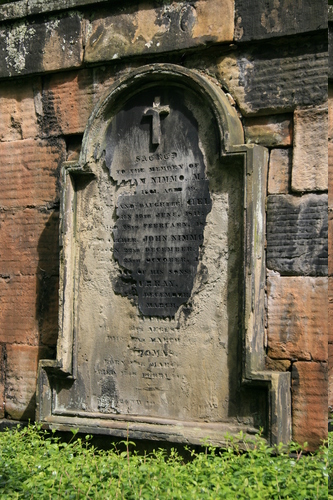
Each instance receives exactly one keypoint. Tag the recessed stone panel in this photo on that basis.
(155, 270)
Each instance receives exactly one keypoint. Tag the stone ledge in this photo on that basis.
(40, 46)
(24, 8)
(262, 19)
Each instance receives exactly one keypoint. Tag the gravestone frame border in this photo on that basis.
(253, 310)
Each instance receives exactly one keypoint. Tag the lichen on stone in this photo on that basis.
(17, 47)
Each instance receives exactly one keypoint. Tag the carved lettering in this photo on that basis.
(161, 219)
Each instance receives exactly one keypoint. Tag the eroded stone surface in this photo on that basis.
(2, 380)
(269, 131)
(297, 234)
(171, 362)
(265, 19)
(30, 172)
(309, 169)
(37, 46)
(279, 77)
(330, 309)
(279, 171)
(330, 375)
(175, 26)
(21, 375)
(18, 118)
(297, 318)
(309, 399)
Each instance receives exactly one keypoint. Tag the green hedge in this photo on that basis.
(37, 465)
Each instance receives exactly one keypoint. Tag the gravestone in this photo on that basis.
(162, 271)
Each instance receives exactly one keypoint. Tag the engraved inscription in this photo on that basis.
(161, 220)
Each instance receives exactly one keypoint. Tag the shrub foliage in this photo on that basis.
(37, 465)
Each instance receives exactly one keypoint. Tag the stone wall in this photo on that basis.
(56, 60)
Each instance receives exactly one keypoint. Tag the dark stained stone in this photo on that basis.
(297, 234)
(40, 46)
(260, 19)
(330, 50)
(280, 77)
(161, 223)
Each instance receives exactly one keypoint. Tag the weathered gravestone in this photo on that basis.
(163, 272)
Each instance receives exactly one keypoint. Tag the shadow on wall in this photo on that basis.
(46, 314)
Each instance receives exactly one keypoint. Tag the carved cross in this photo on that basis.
(155, 113)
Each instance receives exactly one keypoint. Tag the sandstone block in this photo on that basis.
(330, 242)
(275, 78)
(18, 310)
(20, 387)
(297, 234)
(265, 19)
(309, 168)
(330, 111)
(22, 8)
(269, 131)
(18, 119)
(29, 242)
(32, 47)
(279, 171)
(175, 26)
(66, 102)
(330, 375)
(330, 174)
(29, 172)
(29, 310)
(330, 50)
(309, 403)
(297, 318)
(2, 381)
(330, 309)
(279, 365)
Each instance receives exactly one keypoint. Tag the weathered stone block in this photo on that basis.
(18, 310)
(330, 375)
(22, 8)
(18, 119)
(330, 309)
(330, 242)
(269, 131)
(330, 174)
(275, 78)
(297, 234)
(297, 318)
(260, 19)
(330, 50)
(66, 102)
(39, 46)
(175, 26)
(279, 365)
(309, 169)
(330, 111)
(2, 380)
(20, 387)
(279, 171)
(29, 243)
(309, 401)
(30, 172)
(29, 306)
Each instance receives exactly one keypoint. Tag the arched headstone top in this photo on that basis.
(226, 122)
